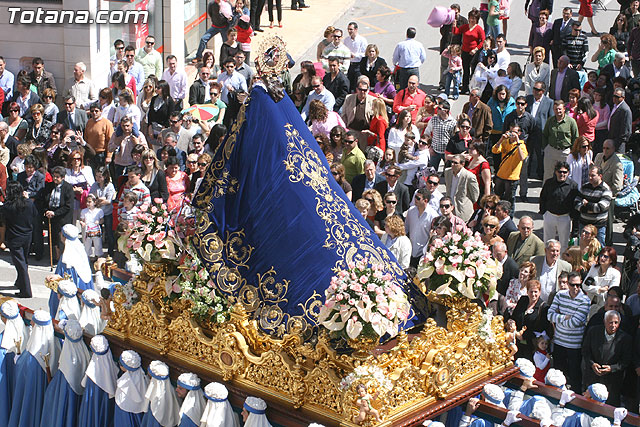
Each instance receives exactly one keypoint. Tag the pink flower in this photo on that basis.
(470, 272)
(363, 279)
(160, 220)
(154, 209)
(352, 301)
(371, 287)
(176, 288)
(351, 265)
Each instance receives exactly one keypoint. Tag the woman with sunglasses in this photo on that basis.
(480, 167)
(153, 176)
(17, 125)
(203, 163)
(459, 142)
(580, 158)
(488, 205)
(51, 110)
(390, 203)
(606, 51)
(144, 101)
(620, 31)
(605, 276)
(105, 99)
(80, 177)
(337, 170)
(40, 129)
(518, 286)
(160, 107)
(490, 228)
(336, 138)
(590, 246)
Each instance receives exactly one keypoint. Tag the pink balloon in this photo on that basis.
(441, 16)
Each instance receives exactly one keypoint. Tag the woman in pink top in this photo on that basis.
(587, 118)
(177, 183)
(604, 111)
(323, 120)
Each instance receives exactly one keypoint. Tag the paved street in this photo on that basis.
(383, 23)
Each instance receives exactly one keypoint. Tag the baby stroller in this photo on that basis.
(626, 202)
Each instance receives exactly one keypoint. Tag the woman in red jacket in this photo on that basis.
(587, 117)
(472, 38)
(378, 125)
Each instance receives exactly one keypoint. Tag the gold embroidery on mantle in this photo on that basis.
(345, 234)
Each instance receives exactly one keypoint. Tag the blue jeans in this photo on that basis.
(454, 78)
(493, 31)
(435, 159)
(212, 31)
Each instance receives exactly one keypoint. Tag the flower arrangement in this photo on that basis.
(484, 329)
(362, 301)
(130, 294)
(150, 236)
(460, 264)
(194, 284)
(364, 373)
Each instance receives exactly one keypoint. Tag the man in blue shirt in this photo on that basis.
(320, 93)
(6, 79)
(231, 80)
(409, 55)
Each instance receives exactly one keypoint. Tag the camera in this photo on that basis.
(72, 138)
(196, 121)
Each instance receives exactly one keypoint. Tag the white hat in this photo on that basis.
(69, 304)
(75, 357)
(102, 370)
(493, 394)
(527, 368)
(598, 392)
(90, 315)
(315, 425)
(132, 385)
(555, 378)
(193, 405)
(161, 395)
(257, 410)
(218, 412)
(70, 232)
(431, 423)
(67, 288)
(541, 410)
(15, 331)
(42, 341)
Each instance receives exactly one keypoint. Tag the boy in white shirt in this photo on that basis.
(90, 218)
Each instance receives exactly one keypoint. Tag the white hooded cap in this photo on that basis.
(74, 254)
(42, 341)
(68, 300)
(194, 402)
(493, 394)
(218, 412)
(75, 357)
(555, 378)
(15, 331)
(161, 396)
(598, 392)
(132, 385)
(431, 423)
(257, 409)
(102, 370)
(600, 422)
(527, 368)
(90, 314)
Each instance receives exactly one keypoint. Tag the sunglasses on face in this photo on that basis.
(389, 175)
(202, 164)
(537, 89)
(465, 127)
(47, 97)
(563, 172)
(14, 111)
(150, 43)
(335, 173)
(213, 93)
(174, 121)
(445, 206)
(55, 132)
(69, 103)
(129, 56)
(315, 86)
(521, 103)
(391, 202)
(433, 182)
(369, 200)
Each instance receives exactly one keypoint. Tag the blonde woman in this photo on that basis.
(144, 101)
(580, 158)
(328, 38)
(490, 228)
(518, 287)
(375, 200)
(395, 239)
(537, 71)
(378, 125)
(589, 244)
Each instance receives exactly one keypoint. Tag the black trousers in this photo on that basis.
(466, 70)
(278, 9)
(403, 74)
(569, 361)
(352, 74)
(295, 4)
(257, 6)
(19, 252)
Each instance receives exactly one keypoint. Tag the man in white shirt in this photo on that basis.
(409, 55)
(177, 80)
(358, 46)
(7, 80)
(504, 57)
(81, 88)
(118, 45)
(548, 268)
(231, 80)
(433, 181)
(418, 225)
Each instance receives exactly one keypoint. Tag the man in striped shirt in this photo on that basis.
(568, 313)
(593, 202)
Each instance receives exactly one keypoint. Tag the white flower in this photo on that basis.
(354, 327)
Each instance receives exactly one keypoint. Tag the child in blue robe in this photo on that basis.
(193, 404)
(163, 403)
(131, 404)
(99, 381)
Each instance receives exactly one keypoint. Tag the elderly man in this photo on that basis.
(81, 88)
(568, 312)
(410, 98)
(548, 269)
(480, 115)
(607, 352)
(338, 50)
(199, 90)
(462, 187)
(509, 266)
(620, 120)
(408, 56)
(71, 117)
(558, 137)
(556, 204)
(522, 245)
(563, 79)
(592, 202)
(401, 191)
(618, 68)
(366, 180)
(320, 93)
(418, 225)
(357, 111)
